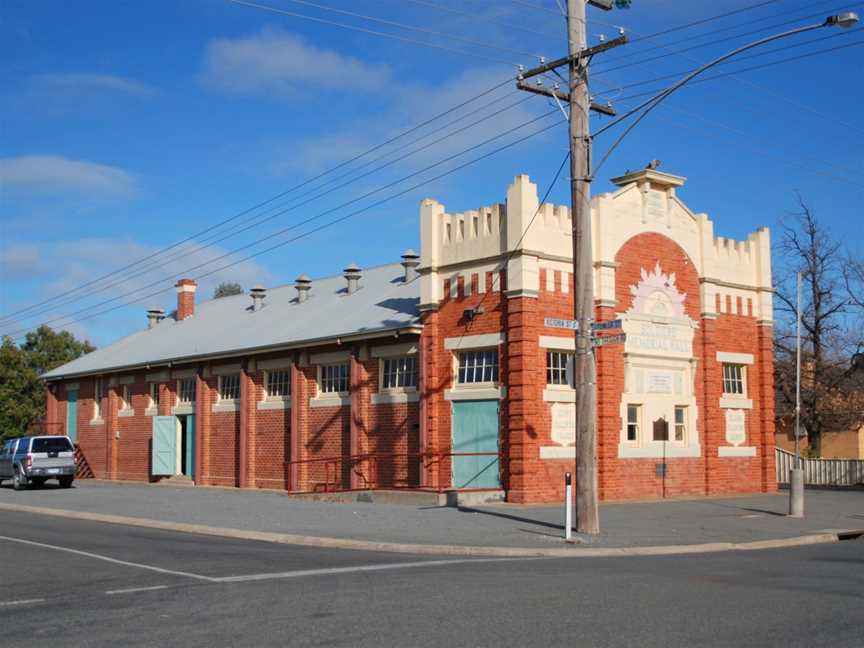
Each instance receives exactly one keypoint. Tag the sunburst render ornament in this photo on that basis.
(657, 295)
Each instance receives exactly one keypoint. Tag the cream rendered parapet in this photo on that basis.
(647, 202)
(459, 244)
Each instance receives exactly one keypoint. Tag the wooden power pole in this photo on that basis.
(577, 59)
(587, 517)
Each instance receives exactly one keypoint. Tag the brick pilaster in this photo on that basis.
(202, 426)
(765, 369)
(111, 427)
(430, 396)
(524, 393)
(359, 442)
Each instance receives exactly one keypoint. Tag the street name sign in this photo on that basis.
(621, 338)
(551, 322)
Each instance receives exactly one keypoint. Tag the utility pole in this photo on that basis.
(579, 100)
(587, 516)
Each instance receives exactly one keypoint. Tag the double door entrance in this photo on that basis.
(173, 451)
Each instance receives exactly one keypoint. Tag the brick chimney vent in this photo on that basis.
(185, 298)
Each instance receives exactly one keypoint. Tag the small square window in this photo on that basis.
(97, 398)
(478, 367)
(734, 380)
(229, 387)
(680, 423)
(186, 390)
(334, 378)
(559, 368)
(154, 394)
(278, 383)
(634, 414)
(399, 373)
(125, 398)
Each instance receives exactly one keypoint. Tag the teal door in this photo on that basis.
(189, 459)
(164, 453)
(475, 429)
(72, 414)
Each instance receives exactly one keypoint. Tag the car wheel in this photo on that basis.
(65, 482)
(19, 482)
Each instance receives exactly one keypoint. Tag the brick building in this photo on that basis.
(453, 368)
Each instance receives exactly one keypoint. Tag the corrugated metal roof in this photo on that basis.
(222, 326)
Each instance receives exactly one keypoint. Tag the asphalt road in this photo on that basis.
(77, 583)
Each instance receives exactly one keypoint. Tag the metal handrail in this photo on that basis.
(425, 461)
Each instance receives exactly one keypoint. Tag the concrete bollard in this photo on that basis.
(796, 493)
(568, 506)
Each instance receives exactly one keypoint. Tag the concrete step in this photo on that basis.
(383, 496)
(176, 480)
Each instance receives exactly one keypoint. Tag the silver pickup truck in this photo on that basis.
(33, 460)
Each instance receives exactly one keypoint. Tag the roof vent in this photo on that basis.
(258, 293)
(352, 276)
(154, 316)
(303, 284)
(410, 261)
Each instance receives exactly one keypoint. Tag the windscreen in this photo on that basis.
(51, 444)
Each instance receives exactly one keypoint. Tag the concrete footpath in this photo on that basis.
(667, 526)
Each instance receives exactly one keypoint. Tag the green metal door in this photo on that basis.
(164, 445)
(72, 414)
(475, 430)
(189, 464)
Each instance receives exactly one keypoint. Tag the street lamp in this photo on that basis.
(844, 20)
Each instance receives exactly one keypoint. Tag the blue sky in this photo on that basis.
(129, 126)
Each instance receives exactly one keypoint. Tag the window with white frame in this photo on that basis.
(399, 373)
(634, 416)
(333, 378)
(478, 367)
(97, 398)
(186, 390)
(125, 399)
(680, 423)
(229, 387)
(154, 394)
(277, 383)
(559, 368)
(734, 379)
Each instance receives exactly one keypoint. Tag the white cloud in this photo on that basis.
(52, 174)
(21, 261)
(283, 64)
(412, 104)
(83, 82)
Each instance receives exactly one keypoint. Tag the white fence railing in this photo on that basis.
(822, 472)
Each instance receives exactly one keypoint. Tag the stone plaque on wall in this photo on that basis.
(564, 423)
(736, 431)
(659, 382)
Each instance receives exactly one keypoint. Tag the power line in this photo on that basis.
(377, 147)
(320, 215)
(372, 32)
(283, 209)
(629, 55)
(734, 72)
(478, 17)
(329, 223)
(421, 30)
(724, 40)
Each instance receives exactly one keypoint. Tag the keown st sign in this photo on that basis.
(573, 325)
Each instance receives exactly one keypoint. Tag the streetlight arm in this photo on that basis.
(656, 99)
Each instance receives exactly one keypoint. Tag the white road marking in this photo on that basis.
(132, 590)
(115, 561)
(21, 602)
(359, 568)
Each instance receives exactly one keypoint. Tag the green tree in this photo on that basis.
(22, 393)
(226, 289)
